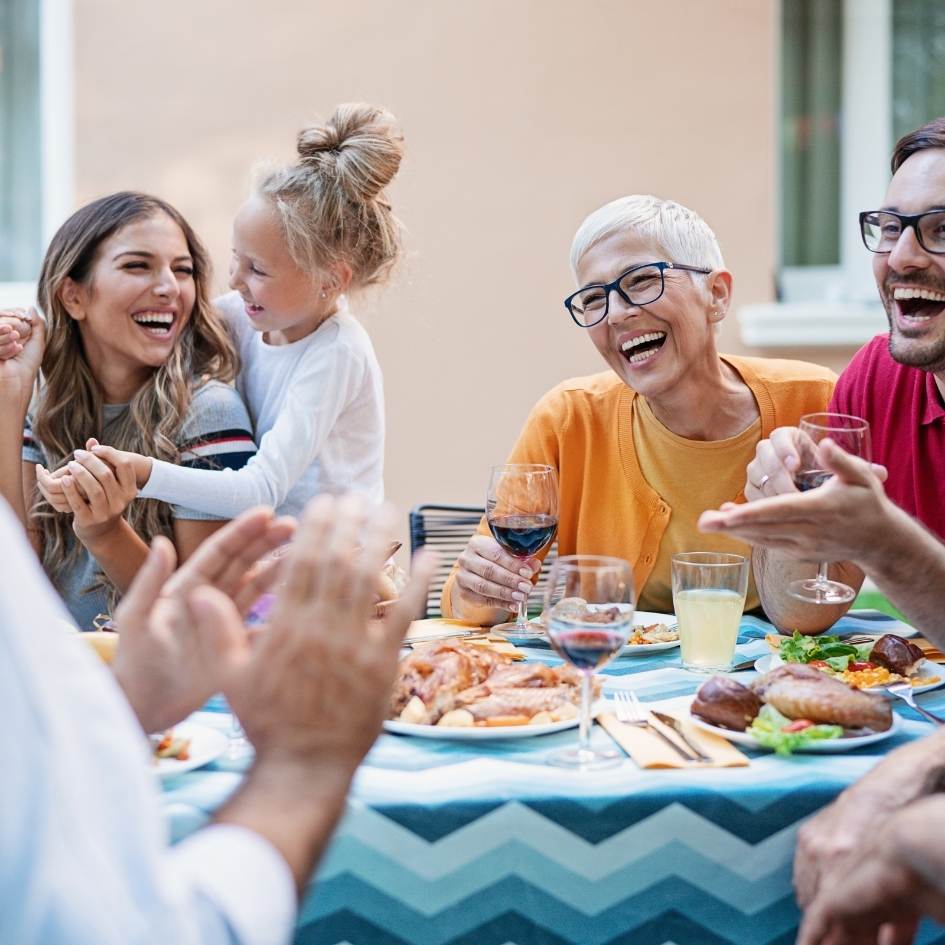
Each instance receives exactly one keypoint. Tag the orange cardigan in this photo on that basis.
(583, 429)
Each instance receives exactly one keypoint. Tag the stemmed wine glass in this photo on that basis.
(851, 434)
(522, 512)
(589, 604)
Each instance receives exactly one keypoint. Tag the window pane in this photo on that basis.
(811, 90)
(20, 174)
(918, 63)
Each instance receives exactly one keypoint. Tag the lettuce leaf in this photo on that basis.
(767, 728)
(803, 649)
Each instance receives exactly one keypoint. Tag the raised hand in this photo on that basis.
(316, 686)
(165, 668)
(22, 344)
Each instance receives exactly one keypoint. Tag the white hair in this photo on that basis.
(678, 231)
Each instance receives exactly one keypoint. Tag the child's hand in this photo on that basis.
(139, 466)
(93, 491)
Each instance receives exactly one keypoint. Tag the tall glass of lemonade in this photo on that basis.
(709, 590)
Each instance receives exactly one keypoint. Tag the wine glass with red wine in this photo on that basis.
(522, 512)
(589, 605)
(851, 434)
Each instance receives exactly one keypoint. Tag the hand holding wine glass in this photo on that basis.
(589, 606)
(522, 512)
(852, 435)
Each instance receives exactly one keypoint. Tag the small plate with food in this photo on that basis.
(868, 666)
(793, 708)
(457, 690)
(652, 632)
(185, 747)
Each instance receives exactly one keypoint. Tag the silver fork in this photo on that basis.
(903, 690)
(628, 710)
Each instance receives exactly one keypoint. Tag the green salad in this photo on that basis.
(774, 730)
(823, 649)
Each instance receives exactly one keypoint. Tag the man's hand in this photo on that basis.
(313, 691)
(891, 880)
(163, 666)
(842, 520)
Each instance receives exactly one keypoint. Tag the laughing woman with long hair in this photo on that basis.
(133, 355)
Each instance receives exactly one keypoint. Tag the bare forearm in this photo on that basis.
(908, 565)
(915, 834)
(14, 403)
(773, 572)
(295, 807)
(120, 553)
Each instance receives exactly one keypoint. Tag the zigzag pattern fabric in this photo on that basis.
(453, 843)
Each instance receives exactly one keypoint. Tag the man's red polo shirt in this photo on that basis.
(907, 421)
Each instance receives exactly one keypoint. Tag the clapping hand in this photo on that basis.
(165, 668)
(315, 686)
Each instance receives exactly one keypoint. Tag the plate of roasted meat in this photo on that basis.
(460, 691)
(869, 666)
(792, 708)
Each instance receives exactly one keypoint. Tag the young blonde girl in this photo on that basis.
(309, 234)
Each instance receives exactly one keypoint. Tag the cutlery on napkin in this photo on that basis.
(649, 751)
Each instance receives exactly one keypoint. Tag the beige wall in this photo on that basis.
(521, 116)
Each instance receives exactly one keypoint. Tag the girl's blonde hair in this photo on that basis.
(69, 407)
(332, 203)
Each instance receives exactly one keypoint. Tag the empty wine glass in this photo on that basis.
(589, 603)
(522, 512)
(851, 434)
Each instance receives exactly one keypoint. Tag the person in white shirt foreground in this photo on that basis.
(872, 860)
(84, 853)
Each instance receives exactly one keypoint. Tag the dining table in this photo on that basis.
(458, 842)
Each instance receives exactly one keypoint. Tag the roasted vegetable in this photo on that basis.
(725, 702)
(897, 655)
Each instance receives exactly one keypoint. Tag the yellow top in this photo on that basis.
(692, 475)
(585, 429)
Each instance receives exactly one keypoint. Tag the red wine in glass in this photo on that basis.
(586, 650)
(523, 535)
(811, 479)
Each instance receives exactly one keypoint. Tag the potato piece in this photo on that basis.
(567, 710)
(457, 718)
(542, 718)
(414, 711)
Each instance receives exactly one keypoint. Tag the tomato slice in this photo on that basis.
(819, 664)
(798, 725)
(865, 664)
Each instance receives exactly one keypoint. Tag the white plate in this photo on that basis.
(473, 734)
(926, 668)
(206, 745)
(644, 618)
(826, 746)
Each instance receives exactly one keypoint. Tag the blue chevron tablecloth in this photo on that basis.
(455, 843)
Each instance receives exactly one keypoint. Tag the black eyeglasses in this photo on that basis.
(881, 229)
(639, 285)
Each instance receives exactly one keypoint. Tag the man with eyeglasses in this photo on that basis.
(871, 864)
(896, 382)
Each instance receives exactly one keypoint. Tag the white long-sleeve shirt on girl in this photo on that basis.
(317, 406)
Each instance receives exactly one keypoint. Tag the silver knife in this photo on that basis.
(676, 726)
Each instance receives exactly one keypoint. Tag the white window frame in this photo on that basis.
(838, 305)
(57, 130)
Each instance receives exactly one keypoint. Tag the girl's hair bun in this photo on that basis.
(360, 146)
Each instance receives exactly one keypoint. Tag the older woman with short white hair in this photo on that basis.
(643, 448)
